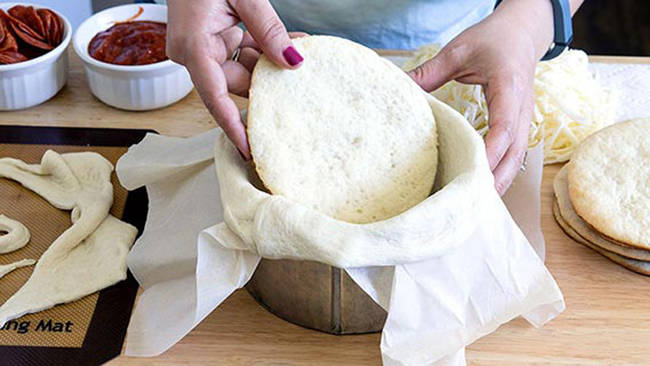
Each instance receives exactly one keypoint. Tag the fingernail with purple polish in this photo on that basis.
(292, 56)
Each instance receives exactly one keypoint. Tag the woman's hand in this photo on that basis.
(203, 35)
(499, 53)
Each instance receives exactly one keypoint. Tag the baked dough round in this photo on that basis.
(609, 182)
(634, 265)
(348, 133)
(582, 229)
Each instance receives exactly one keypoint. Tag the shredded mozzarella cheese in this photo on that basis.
(570, 103)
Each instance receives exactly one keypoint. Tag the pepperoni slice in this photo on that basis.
(46, 18)
(28, 16)
(7, 39)
(60, 28)
(30, 51)
(11, 57)
(28, 35)
(53, 26)
(3, 31)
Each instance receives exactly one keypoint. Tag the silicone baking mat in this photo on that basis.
(89, 331)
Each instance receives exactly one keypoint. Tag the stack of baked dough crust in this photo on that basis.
(603, 194)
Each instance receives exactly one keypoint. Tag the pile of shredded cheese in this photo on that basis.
(570, 103)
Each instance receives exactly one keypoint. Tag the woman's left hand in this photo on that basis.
(500, 53)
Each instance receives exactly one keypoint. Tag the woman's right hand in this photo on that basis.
(202, 35)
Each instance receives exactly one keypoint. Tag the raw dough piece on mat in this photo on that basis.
(609, 175)
(347, 134)
(79, 182)
(88, 256)
(561, 188)
(6, 268)
(96, 263)
(634, 265)
(17, 235)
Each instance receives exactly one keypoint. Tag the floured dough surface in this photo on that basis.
(7, 268)
(16, 237)
(348, 133)
(584, 230)
(609, 182)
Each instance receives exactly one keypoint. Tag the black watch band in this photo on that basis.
(562, 28)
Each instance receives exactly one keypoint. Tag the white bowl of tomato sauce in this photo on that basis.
(33, 57)
(122, 49)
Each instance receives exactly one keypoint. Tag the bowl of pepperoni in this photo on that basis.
(33, 57)
(123, 51)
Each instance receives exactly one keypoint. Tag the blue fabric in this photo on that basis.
(395, 24)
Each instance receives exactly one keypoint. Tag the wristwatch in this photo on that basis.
(562, 29)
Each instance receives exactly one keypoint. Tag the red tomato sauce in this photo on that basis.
(139, 42)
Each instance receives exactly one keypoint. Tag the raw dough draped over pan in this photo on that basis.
(7, 268)
(17, 235)
(277, 227)
(88, 256)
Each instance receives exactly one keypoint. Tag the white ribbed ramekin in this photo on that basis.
(138, 87)
(26, 84)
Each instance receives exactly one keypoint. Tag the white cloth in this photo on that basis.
(630, 82)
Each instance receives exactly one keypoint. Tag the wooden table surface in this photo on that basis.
(607, 320)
